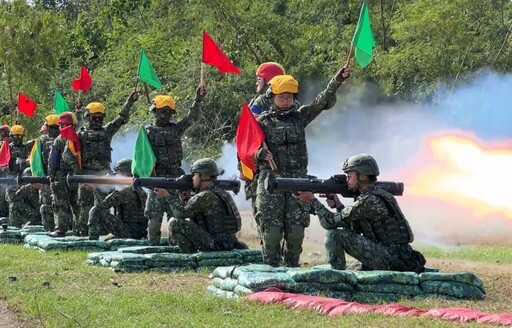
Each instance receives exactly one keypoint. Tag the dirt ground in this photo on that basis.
(8, 319)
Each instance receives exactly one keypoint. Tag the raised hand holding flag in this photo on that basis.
(26, 105)
(84, 82)
(363, 40)
(213, 55)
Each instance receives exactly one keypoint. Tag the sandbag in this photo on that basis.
(454, 289)
(262, 280)
(305, 287)
(169, 257)
(219, 292)
(242, 291)
(386, 277)
(375, 298)
(256, 268)
(219, 262)
(116, 243)
(325, 276)
(224, 272)
(149, 249)
(409, 290)
(218, 255)
(225, 284)
(94, 258)
(464, 277)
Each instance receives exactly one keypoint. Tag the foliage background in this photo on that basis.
(422, 45)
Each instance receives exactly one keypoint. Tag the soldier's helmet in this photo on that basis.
(93, 108)
(163, 102)
(67, 118)
(5, 130)
(17, 130)
(270, 69)
(284, 83)
(361, 163)
(205, 166)
(123, 165)
(27, 172)
(52, 119)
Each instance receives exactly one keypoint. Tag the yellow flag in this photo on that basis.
(246, 171)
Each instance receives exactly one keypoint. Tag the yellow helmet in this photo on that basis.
(17, 130)
(52, 119)
(284, 83)
(95, 107)
(162, 101)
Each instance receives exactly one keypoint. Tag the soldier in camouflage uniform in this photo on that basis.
(64, 195)
(4, 206)
(96, 153)
(24, 204)
(128, 220)
(165, 139)
(213, 216)
(282, 217)
(373, 230)
(50, 131)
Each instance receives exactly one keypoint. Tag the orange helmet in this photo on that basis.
(67, 118)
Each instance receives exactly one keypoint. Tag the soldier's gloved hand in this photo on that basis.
(343, 74)
(200, 93)
(19, 160)
(133, 96)
(263, 154)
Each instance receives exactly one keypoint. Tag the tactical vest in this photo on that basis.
(46, 146)
(229, 223)
(63, 168)
(286, 139)
(96, 150)
(392, 230)
(18, 152)
(133, 211)
(166, 144)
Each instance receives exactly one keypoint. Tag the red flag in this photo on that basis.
(73, 143)
(84, 82)
(212, 55)
(26, 105)
(5, 153)
(249, 137)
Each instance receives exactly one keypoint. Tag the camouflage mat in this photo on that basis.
(166, 258)
(364, 286)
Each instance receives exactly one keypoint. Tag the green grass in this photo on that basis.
(61, 290)
(489, 254)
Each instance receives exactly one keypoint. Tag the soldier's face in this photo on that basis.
(284, 100)
(196, 181)
(96, 120)
(53, 131)
(353, 180)
(261, 85)
(17, 140)
(162, 116)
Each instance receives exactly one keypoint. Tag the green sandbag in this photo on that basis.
(263, 280)
(219, 262)
(95, 257)
(410, 290)
(223, 272)
(127, 258)
(248, 252)
(170, 257)
(104, 262)
(257, 268)
(386, 277)
(346, 296)
(242, 291)
(127, 267)
(218, 255)
(303, 287)
(464, 277)
(149, 249)
(219, 292)
(32, 228)
(324, 276)
(373, 298)
(454, 289)
(253, 259)
(32, 240)
(173, 269)
(225, 284)
(116, 243)
(10, 233)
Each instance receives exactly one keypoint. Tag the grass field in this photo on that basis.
(58, 289)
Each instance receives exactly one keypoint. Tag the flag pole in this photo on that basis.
(202, 74)
(351, 51)
(272, 163)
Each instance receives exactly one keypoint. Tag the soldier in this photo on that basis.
(128, 220)
(19, 151)
(96, 153)
(280, 214)
(24, 204)
(4, 206)
(374, 229)
(165, 139)
(64, 195)
(213, 216)
(50, 131)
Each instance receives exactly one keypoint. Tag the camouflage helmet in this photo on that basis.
(27, 172)
(205, 166)
(361, 163)
(123, 165)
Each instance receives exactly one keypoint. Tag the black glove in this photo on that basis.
(343, 74)
(261, 154)
(200, 93)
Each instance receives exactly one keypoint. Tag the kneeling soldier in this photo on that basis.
(24, 204)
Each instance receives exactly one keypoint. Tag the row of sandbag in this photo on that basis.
(13, 235)
(44, 242)
(170, 258)
(360, 286)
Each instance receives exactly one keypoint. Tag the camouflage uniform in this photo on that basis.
(18, 153)
(128, 220)
(96, 158)
(45, 194)
(280, 214)
(166, 144)
(65, 196)
(214, 220)
(24, 206)
(374, 231)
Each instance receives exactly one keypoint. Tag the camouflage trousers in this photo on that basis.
(283, 220)
(86, 202)
(191, 237)
(102, 220)
(4, 205)
(154, 212)
(250, 188)
(372, 255)
(21, 213)
(46, 210)
(65, 204)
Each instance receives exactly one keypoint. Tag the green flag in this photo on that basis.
(363, 40)
(60, 104)
(36, 160)
(146, 72)
(143, 157)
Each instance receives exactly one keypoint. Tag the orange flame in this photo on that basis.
(459, 168)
